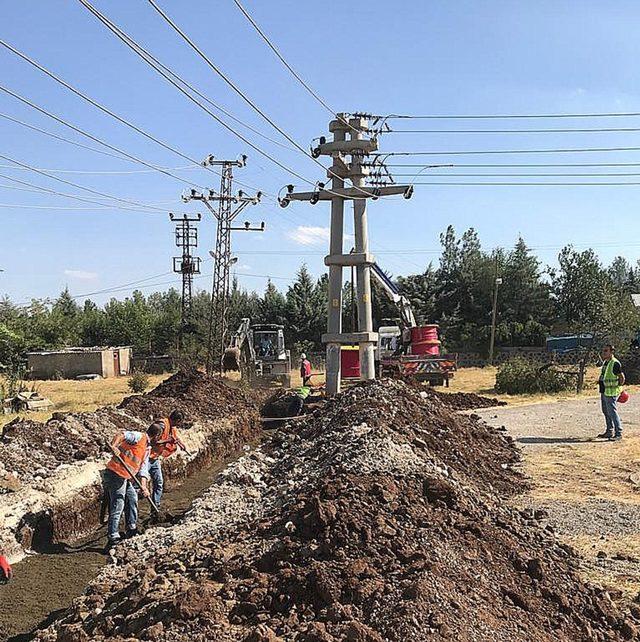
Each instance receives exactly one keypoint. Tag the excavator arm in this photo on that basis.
(240, 341)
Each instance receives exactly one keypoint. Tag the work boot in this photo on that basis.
(604, 435)
(617, 438)
(131, 532)
(111, 542)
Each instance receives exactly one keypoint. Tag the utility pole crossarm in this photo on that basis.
(349, 193)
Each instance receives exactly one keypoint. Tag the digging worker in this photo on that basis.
(610, 383)
(305, 369)
(164, 447)
(6, 573)
(131, 450)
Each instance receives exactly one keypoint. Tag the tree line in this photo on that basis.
(579, 295)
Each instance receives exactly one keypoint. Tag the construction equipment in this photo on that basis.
(259, 353)
(409, 350)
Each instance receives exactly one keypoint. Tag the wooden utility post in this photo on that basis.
(494, 311)
(349, 139)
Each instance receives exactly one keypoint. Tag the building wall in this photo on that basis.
(125, 361)
(107, 364)
(66, 364)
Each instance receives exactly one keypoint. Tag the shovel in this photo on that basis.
(136, 483)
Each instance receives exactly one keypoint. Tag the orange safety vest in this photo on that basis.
(164, 450)
(132, 454)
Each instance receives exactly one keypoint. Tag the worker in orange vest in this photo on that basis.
(131, 450)
(164, 447)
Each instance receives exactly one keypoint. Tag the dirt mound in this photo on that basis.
(465, 400)
(196, 394)
(32, 451)
(384, 518)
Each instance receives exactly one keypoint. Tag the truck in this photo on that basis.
(259, 353)
(399, 353)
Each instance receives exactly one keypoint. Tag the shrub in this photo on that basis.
(138, 381)
(519, 376)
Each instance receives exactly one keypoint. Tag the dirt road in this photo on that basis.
(589, 487)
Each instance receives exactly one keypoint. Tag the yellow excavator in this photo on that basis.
(259, 353)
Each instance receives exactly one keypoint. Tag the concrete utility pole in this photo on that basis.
(229, 207)
(358, 147)
(494, 313)
(187, 264)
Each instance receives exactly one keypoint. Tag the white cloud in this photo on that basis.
(81, 275)
(309, 235)
(243, 267)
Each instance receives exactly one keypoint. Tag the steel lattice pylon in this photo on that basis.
(187, 265)
(229, 206)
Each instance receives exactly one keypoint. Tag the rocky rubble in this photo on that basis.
(381, 517)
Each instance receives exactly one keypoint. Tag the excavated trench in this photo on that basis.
(45, 583)
(54, 515)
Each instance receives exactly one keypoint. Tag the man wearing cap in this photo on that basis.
(610, 383)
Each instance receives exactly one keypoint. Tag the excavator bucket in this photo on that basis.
(231, 359)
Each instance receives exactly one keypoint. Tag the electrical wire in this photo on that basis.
(98, 105)
(514, 151)
(69, 125)
(557, 174)
(71, 196)
(246, 99)
(102, 172)
(516, 131)
(532, 184)
(62, 138)
(494, 165)
(275, 50)
(141, 52)
(82, 187)
(510, 116)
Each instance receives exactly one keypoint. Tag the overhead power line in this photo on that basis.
(584, 184)
(62, 138)
(102, 171)
(142, 53)
(590, 130)
(275, 50)
(71, 196)
(245, 98)
(506, 175)
(86, 134)
(98, 105)
(510, 116)
(82, 187)
(513, 151)
(457, 165)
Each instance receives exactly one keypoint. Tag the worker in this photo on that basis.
(297, 401)
(305, 369)
(164, 447)
(131, 450)
(6, 572)
(610, 384)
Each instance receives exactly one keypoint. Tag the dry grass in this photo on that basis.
(482, 381)
(79, 396)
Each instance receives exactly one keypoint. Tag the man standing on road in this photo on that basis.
(164, 447)
(610, 383)
(130, 457)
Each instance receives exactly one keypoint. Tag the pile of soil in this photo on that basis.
(196, 394)
(464, 400)
(382, 518)
(32, 451)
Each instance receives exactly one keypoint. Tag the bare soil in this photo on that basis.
(385, 516)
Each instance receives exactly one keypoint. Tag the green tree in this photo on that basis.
(305, 306)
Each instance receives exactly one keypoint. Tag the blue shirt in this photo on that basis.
(133, 437)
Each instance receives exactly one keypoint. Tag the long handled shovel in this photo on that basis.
(137, 484)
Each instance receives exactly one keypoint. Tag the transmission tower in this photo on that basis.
(187, 265)
(229, 206)
(360, 144)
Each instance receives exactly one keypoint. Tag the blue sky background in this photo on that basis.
(435, 57)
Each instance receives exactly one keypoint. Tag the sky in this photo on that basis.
(417, 58)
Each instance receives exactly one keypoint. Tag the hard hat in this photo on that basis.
(303, 356)
(624, 397)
